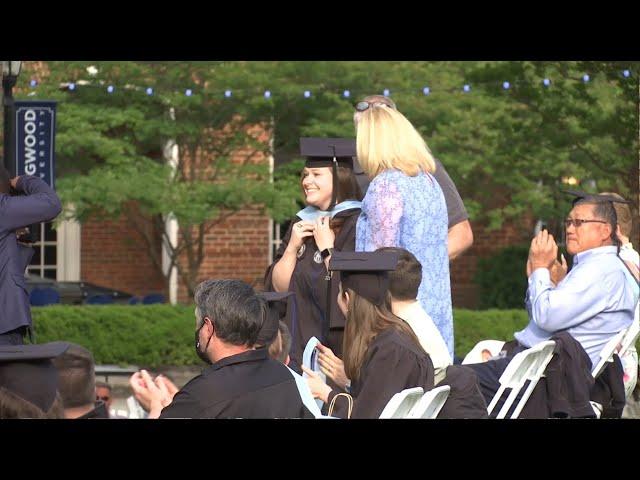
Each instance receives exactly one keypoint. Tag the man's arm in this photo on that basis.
(460, 236)
(40, 204)
(459, 239)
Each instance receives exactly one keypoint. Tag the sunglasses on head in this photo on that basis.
(362, 106)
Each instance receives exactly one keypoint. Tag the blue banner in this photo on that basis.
(35, 139)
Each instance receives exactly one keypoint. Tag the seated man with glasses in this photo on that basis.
(592, 303)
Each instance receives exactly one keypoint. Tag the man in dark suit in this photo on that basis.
(38, 204)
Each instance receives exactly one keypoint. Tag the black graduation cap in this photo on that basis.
(329, 152)
(593, 197)
(28, 372)
(366, 273)
(277, 309)
(321, 152)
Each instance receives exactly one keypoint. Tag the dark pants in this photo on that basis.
(489, 374)
(13, 337)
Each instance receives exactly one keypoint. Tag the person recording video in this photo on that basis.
(24, 200)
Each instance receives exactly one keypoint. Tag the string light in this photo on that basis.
(228, 93)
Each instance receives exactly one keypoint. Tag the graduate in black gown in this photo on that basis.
(327, 224)
(382, 356)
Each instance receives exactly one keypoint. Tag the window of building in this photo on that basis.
(45, 257)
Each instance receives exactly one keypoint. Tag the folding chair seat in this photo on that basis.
(475, 355)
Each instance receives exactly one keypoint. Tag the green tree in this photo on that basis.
(111, 152)
(507, 150)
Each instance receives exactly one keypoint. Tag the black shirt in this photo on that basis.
(246, 385)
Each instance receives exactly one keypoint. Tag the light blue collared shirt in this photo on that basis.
(592, 303)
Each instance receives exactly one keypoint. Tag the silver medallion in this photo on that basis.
(301, 250)
(317, 257)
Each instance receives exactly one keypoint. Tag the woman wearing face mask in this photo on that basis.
(328, 223)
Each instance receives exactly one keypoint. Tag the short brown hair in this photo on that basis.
(404, 281)
(76, 377)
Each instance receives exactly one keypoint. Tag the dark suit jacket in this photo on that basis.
(40, 204)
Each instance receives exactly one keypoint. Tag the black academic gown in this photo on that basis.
(306, 315)
(393, 363)
(246, 385)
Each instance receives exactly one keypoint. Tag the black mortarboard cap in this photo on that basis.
(277, 309)
(366, 273)
(593, 197)
(320, 152)
(28, 372)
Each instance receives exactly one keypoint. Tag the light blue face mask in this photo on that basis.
(311, 214)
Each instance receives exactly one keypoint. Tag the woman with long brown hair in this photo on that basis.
(382, 356)
(326, 225)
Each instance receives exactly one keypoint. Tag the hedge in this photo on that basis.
(163, 335)
(501, 278)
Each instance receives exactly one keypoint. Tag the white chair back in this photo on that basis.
(431, 403)
(529, 365)
(606, 355)
(401, 403)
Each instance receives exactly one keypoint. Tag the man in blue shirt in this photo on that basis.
(593, 302)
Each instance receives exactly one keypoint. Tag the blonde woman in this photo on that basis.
(404, 205)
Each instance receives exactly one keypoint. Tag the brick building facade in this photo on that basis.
(112, 255)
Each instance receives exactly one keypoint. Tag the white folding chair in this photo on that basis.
(431, 403)
(402, 403)
(526, 365)
(475, 355)
(606, 355)
(632, 334)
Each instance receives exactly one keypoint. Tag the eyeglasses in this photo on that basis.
(576, 222)
(362, 106)
(104, 399)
